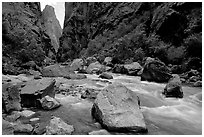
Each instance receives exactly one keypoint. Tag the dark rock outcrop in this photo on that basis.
(174, 87)
(52, 28)
(155, 70)
(111, 111)
(105, 75)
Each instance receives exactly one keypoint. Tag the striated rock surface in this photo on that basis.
(116, 109)
(51, 27)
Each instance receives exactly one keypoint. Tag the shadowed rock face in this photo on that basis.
(119, 29)
(22, 36)
(51, 27)
(27, 35)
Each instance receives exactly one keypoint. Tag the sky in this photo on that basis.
(59, 10)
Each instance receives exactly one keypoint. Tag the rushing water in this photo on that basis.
(162, 115)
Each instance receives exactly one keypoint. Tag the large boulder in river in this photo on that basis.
(155, 70)
(95, 67)
(58, 127)
(173, 87)
(116, 109)
(10, 97)
(35, 90)
(55, 71)
(133, 68)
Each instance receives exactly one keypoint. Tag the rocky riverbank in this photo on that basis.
(84, 104)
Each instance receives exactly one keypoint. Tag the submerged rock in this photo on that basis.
(116, 109)
(173, 87)
(155, 70)
(105, 75)
(58, 127)
(49, 103)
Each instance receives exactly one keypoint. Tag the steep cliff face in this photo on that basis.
(51, 28)
(129, 31)
(24, 38)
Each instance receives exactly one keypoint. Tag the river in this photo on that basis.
(163, 116)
